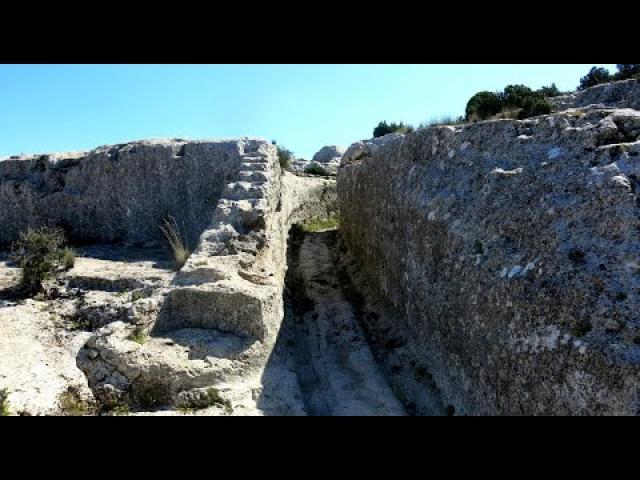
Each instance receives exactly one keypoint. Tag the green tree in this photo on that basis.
(550, 91)
(596, 76)
(483, 105)
(514, 96)
(627, 70)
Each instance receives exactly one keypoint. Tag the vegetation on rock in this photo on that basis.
(515, 101)
(72, 404)
(39, 253)
(319, 224)
(178, 246)
(138, 335)
(385, 128)
(316, 170)
(285, 157)
(483, 105)
(596, 76)
(599, 75)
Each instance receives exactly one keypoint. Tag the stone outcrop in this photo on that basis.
(508, 251)
(622, 94)
(328, 158)
(220, 317)
(119, 193)
(329, 153)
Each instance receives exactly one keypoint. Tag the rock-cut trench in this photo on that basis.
(325, 340)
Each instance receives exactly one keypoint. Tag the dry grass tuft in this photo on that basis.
(178, 246)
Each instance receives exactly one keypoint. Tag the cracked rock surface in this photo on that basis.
(509, 252)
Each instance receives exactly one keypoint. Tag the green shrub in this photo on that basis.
(514, 96)
(39, 254)
(385, 128)
(138, 295)
(627, 70)
(72, 404)
(515, 101)
(534, 106)
(315, 170)
(550, 91)
(483, 105)
(150, 393)
(285, 157)
(138, 335)
(213, 397)
(596, 76)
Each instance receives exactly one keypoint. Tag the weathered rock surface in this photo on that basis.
(622, 94)
(153, 338)
(37, 359)
(328, 154)
(328, 158)
(221, 314)
(119, 192)
(509, 252)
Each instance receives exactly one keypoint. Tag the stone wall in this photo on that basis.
(510, 252)
(118, 193)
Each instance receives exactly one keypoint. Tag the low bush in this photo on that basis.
(534, 106)
(39, 253)
(316, 170)
(550, 91)
(72, 404)
(285, 157)
(515, 101)
(138, 335)
(385, 128)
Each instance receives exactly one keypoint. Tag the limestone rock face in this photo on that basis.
(219, 319)
(328, 158)
(509, 252)
(623, 94)
(119, 192)
(156, 337)
(328, 153)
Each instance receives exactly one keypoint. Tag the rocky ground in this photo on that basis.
(40, 337)
(324, 362)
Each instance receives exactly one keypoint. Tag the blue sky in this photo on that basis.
(47, 108)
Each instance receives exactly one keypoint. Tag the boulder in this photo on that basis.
(328, 154)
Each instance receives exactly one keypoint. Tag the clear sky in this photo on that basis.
(47, 108)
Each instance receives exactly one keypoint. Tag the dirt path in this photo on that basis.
(336, 370)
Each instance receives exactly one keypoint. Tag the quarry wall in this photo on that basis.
(509, 251)
(118, 193)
